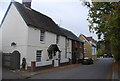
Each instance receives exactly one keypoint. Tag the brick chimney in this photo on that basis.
(27, 3)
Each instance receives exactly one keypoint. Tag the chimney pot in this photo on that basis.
(27, 3)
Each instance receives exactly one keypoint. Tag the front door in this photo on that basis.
(15, 60)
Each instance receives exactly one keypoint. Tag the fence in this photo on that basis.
(6, 60)
(11, 60)
(64, 60)
(45, 63)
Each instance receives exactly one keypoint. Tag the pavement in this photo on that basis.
(116, 71)
(12, 74)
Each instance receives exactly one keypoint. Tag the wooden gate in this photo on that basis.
(11, 60)
(6, 60)
(15, 60)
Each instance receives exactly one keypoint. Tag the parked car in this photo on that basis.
(87, 60)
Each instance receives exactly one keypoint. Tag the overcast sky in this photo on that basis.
(69, 14)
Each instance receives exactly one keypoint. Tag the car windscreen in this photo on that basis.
(86, 58)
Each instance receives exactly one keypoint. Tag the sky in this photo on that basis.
(69, 14)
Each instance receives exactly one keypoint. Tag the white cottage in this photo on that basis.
(0, 40)
(33, 35)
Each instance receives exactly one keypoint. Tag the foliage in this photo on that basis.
(48, 59)
(57, 58)
(104, 18)
(99, 52)
(24, 63)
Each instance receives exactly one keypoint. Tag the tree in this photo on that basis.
(101, 48)
(104, 18)
(99, 52)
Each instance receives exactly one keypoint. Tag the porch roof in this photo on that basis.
(53, 47)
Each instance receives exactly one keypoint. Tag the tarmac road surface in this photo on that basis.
(99, 70)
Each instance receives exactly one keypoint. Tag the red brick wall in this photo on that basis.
(82, 48)
(79, 46)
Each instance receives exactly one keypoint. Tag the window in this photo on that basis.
(80, 45)
(42, 36)
(57, 39)
(38, 55)
(85, 50)
(85, 42)
(66, 47)
(67, 42)
(75, 43)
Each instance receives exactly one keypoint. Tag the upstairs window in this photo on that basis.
(67, 42)
(80, 45)
(42, 35)
(57, 39)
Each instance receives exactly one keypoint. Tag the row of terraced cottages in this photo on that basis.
(34, 36)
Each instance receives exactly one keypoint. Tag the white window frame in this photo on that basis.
(57, 39)
(66, 47)
(68, 42)
(42, 36)
(38, 55)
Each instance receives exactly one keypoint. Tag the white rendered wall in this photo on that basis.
(0, 54)
(93, 50)
(70, 49)
(94, 56)
(62, 46)
(35, 44)
(0, 39)
(14, 29)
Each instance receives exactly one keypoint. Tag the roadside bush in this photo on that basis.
(24, 63)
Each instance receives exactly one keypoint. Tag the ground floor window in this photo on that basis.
(38, 55)
(66, 54)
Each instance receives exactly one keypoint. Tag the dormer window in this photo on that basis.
(42, 35)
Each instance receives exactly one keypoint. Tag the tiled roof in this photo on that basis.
(89, 38)
(37, 19)
(70, 35)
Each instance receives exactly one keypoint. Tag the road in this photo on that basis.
(99, 70)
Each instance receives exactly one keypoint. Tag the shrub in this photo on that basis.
(24, 63)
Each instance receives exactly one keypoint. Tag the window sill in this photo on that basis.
(42, 42)
(58, 44)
